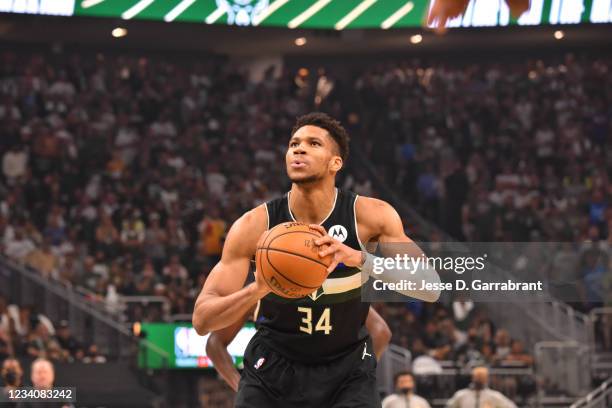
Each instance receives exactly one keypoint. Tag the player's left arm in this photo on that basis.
(379, 222)
(379, 331)
(216, 349)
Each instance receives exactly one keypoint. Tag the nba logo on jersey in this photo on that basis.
(338, 232)
(259, 363)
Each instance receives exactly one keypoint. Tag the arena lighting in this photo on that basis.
(300, 41)
(119, 32)
(559, 34)
(417, 38)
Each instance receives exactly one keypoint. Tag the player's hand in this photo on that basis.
(261, 286)
(444, 10)
(339, 251)
(518, 7)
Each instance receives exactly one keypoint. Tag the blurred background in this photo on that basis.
(134, 132)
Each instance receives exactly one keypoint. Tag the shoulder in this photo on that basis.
(246, 230)
(461, 393)
(255, 219)
(371, 209)
(421, 401)
(495, 394)
(389, 400)
(378, 217)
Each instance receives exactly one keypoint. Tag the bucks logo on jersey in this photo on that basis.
(242, 12)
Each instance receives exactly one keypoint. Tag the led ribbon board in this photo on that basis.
(324, 14)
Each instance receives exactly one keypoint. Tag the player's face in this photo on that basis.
(311, 155)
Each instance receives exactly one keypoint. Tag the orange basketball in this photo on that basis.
(289, 262)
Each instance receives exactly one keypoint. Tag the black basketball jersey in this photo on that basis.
(330, 322)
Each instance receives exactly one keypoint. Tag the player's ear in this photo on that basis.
(336, 163)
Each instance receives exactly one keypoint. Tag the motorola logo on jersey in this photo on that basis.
(338, 232)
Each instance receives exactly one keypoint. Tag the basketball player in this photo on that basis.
(314, 351)
(216, 346)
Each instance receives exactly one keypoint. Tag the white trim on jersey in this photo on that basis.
(324, 219)
(363, 248)
(267, 216)
(333, 286)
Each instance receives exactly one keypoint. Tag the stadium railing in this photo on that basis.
(394, 359)
(562, 370)
(601, 397)
(602, 326)
(89, 321)
(137, 308)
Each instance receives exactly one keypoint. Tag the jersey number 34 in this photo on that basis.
(323, 324)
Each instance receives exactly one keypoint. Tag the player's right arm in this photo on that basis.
(223, 298)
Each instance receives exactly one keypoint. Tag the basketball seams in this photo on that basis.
(265, 246)
(281, 274)
(293, 253)
(295, 232)
(261, 270)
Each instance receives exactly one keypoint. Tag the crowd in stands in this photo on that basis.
(122, 174)
(29, 335)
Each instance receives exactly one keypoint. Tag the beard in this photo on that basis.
(308, 179)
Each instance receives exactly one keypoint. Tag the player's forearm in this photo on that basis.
(213, 312)
(381, 336)
(217, 352)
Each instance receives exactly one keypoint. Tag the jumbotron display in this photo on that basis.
(185, 348)
(323, 14)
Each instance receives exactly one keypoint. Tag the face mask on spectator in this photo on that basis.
(10, 377)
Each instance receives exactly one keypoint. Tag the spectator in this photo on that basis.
(147, 280)
(19, 247)
(502, 345)
(43, 260)
(405, 396)
(94, 356)
(174, 271)
(212, 230)
(155, 241)
(133, 232)
(479, 394)
(65, 339)
(14, 165)
(12, 374)
(518, 356)
(107, 236)
(39, 341)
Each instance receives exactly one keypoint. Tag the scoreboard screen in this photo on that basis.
(323, 14)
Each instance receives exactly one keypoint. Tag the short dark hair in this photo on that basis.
(400, 374)
(333, 127)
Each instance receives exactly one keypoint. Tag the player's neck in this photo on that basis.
(311, 204)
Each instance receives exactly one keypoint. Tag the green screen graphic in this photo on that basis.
(184, 347)
(323, 14)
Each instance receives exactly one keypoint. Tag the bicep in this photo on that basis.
(379, 222)
(229, 275)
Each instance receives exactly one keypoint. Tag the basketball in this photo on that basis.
(289, 261)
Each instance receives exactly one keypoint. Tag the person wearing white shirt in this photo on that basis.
(404, 397)
(14, 164)
(479, 395)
